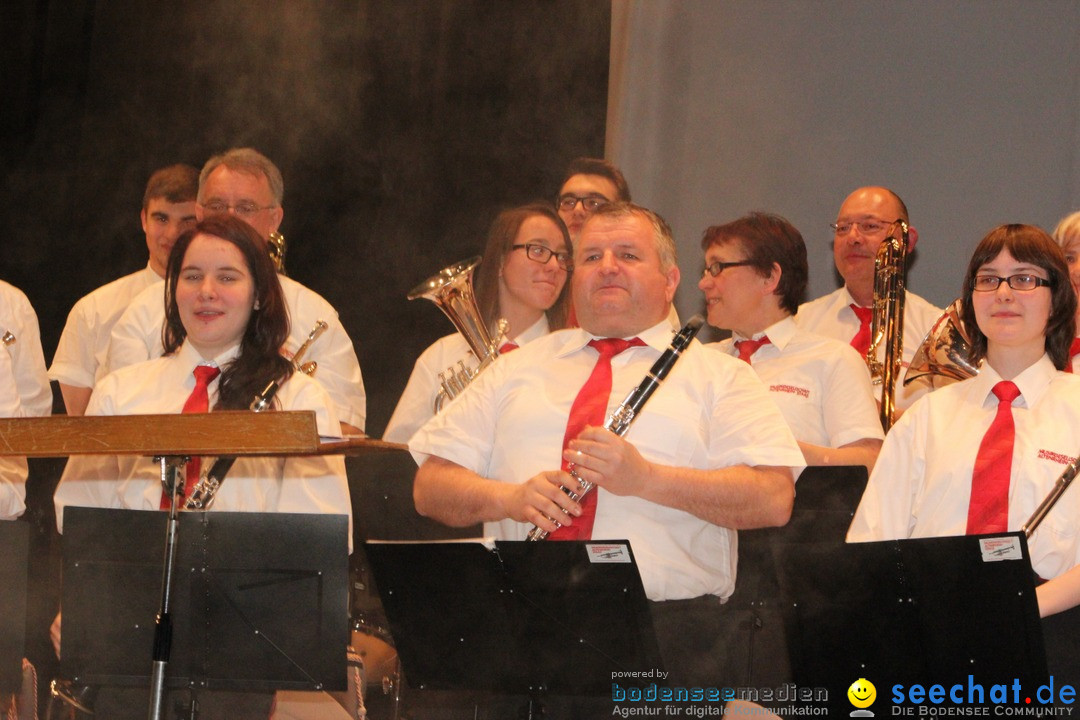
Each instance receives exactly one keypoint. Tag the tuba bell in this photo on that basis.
(887, 325)
(452, 290)
(945, 354)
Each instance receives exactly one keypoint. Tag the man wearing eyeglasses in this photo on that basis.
(168, 209)
(247, 184)
(861, 226)
(709, 454)
(588, 184)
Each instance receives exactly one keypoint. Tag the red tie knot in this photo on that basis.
(747, 348)
(610, 347)
(205, 374)
(864, 314)
(507, 347)
(1006, 391)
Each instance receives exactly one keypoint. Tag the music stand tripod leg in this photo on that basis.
(170, 481)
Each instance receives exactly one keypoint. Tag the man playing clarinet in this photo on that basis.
(708, 455)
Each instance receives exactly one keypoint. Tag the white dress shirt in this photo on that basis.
(711, 412)
(817, 382)
(24, 387)
(921, 485)
(84, 345)
(832, 316)
(137, 337)
(417, 403)
(314, 484)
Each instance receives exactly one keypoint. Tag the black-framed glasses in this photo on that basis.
(1021, 281)
(244, 209)
(542, 253)
(866, 227)
(589, 203)
(718, 267)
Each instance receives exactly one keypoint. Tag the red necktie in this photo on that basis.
(590, 408)
(861, 341)
(988, 511)
(507, 347)
(747, 348)
(1074, 350)
(198, 402)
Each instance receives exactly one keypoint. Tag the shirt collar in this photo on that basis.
(191, 357)
(1032, 382)
(780, 333)
(658, 337)
(537, 329)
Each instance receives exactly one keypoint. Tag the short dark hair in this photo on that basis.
(260, 359)
(1028, 244)
(601, 167)
(768, 240)
(175, 183)
(501, 235)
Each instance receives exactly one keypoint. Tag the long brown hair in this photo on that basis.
(501, 236)
(259, 360)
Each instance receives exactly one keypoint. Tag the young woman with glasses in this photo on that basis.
(522, 280)
(978, 456)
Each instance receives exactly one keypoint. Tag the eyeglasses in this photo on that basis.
(866, 227)
(589, 203)
(244, 209)
(541, 254)
(989, 283)
(718, 267)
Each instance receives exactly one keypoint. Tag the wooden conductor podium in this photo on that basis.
(267, 546)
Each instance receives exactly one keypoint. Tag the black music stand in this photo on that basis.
(516, 617)
(928, 611)
(261, 599)
(15, 544)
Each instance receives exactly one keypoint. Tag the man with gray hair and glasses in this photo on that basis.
(244, 182)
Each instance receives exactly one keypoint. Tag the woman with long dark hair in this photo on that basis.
(522, 280)
(224, 312)
(978, 456)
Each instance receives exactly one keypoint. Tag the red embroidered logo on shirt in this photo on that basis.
(1056, 457)
(790, 389)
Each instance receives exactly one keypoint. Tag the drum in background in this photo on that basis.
(381, 669)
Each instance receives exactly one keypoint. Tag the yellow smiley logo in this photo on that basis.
(862, 693)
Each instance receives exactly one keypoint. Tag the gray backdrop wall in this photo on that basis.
(970, 110)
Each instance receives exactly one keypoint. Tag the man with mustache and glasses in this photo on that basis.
(862, 224)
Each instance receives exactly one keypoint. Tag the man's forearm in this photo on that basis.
(738, 497)
(454, 495)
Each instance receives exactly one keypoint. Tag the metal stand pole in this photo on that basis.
(163, 627)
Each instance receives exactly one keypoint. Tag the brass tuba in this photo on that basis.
(887, 325)
(452, 290)
(945, 354)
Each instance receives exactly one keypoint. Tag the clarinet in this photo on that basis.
(623, 416)
(202, 495)
(204, 491)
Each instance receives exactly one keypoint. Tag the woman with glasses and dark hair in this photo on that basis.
(522, 280)
(755, 277)
(978, 456)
